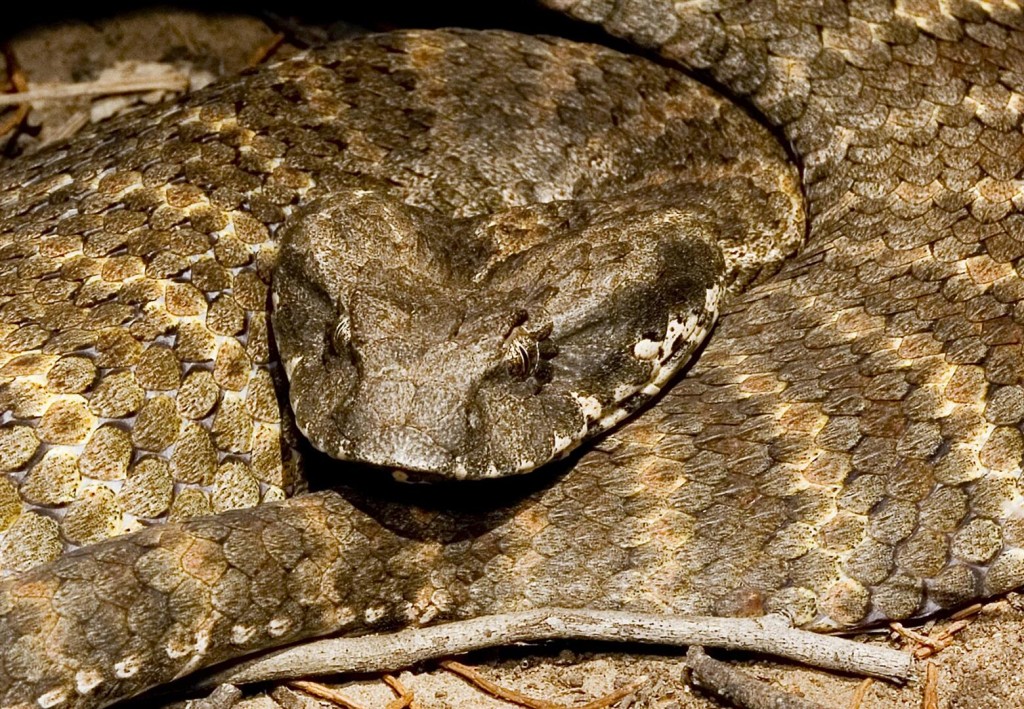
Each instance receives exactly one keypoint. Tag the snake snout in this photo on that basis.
(406, 448)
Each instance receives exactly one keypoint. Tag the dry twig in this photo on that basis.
(224, 697)
(968, 612)
(405, 696)
(383, 653)
(19, 83)
(862, 691)
(912, 635)
(320, 691)
(738, 687)
(510, 695)
(930, 700)
(928, 645)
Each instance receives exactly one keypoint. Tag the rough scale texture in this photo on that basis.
(142, 383)
(876, 382)
(140, 380)
(848, 449)
(487, 346)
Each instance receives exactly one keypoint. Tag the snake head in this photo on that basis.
(486, 346)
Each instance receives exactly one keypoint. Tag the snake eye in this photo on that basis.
(519, 357)
(525, 352)
(341, 336)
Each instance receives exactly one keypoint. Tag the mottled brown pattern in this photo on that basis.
(886, 359)
(848, 449)
(142, 384)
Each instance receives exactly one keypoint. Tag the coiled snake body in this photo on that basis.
(847, 449)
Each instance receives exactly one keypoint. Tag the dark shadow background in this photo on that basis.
(378, 15)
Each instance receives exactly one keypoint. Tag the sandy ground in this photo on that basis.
(982, 669)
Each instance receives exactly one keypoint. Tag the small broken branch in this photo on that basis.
(738, 687)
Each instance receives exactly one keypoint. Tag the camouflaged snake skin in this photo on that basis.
(847, 449)
(144, 272)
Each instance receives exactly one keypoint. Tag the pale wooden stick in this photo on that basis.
(61, 92)
(385, 653)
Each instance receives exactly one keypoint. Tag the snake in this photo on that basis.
(355, 262)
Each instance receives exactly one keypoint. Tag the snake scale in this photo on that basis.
(847, 449)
